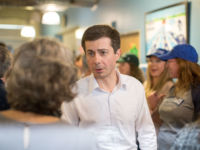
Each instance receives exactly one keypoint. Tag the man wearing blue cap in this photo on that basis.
(182, 104)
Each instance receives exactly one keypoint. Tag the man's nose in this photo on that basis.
(97, 58)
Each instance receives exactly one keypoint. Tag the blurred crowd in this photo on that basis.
(100, 99)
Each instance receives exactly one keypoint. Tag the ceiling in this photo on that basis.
(29, 12)
(37, 3)
(23, 11)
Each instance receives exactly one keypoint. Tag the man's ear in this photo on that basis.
(118, 53)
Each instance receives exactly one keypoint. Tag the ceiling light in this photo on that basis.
(79, 33)
(28, 31)
(29, 8)
(51, 18)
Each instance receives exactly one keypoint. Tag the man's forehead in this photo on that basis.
(103, 39)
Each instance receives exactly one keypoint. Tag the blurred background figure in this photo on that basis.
(2, 44)
(129, 65)
(182, 104)
(41, 79)
(157, 84)
(5, 62)
(188, 137)
(82, 66)
(78, 63)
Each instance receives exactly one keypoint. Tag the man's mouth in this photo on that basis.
(98, 70)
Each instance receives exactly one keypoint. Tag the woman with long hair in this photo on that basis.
(157, 84)
(182, 104)
(129, 65)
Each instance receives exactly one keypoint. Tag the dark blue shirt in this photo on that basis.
(3, 100)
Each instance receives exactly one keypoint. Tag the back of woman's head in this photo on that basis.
(41, 78)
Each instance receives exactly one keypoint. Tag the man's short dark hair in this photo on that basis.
(98, 31)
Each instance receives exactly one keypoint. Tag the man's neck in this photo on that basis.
(109, 83)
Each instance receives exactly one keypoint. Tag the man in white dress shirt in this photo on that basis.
(112, 105)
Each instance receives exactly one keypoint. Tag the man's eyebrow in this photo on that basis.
(89, 50)
(102, 49)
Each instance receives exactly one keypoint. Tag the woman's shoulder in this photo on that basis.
(49, 136)
(62, 136)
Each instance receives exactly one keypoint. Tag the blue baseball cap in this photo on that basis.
(158, 52)
(184, 51)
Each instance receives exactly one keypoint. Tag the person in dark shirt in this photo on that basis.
(5, 61)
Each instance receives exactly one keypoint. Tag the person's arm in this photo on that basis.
(69, 113)
(145, 127)
(154, 100)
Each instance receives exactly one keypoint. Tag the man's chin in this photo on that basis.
(98, 76)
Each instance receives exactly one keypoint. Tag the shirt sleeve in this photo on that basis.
(69, 113)
(145, 129)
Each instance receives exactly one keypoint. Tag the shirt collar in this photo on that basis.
(121, 82)
(94, 85)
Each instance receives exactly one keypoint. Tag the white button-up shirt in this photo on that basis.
(117, 118)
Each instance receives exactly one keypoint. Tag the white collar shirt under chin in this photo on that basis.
(117, 118)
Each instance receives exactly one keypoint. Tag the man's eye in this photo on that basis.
(103, 52)
(90, 54)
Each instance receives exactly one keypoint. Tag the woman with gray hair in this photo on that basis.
(41, 79)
